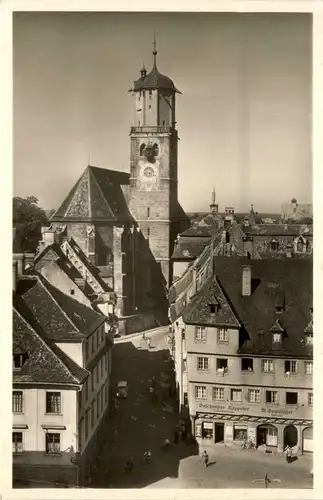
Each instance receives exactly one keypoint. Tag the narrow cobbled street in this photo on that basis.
(142, 422)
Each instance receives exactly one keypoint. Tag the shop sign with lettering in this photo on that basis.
(243, 409)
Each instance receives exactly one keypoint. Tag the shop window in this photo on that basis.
(254, 396)
(291, 398)
(17, 404)
(17, 446)
(200, 392)
(236, 395)
(223, 336)
(240, 432)
(221, 366)
(308, 366)
(247, 364)
(310, 399)
(218, 393)
(200, 334)
(207, 430)
(309, 339)
(53, 443)
(272, 397)
(203, 363)
(53, 402)
(290, 367)
(267, 365)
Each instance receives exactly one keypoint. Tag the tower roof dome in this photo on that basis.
(154, 80)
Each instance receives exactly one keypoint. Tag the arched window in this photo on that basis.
(155, 150)
(142, 148)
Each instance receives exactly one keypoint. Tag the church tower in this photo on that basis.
(153, 166)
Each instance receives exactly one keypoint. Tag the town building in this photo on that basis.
(295, 210)
(245, 333)
(82, 338)
(243, 236)
(127, 223)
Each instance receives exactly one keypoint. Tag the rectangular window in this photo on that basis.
(254, 396)
(97, 408)
(148, 212)
(17, 442)
(267, 365)
(308, 366)
(223, 336)
(17, 402)
(277, 338)
(150, 94)
(92, 379)
(290, 367)
(87, 389)
(200, 334)
(86, 427)
(202, 363)
(236, 395)
(200, 392)
(18, 361)
(218, 393)
(53, 443)
(53, 402)
(291, 398)
(207, 430)
(240, 432)
(184, 365)
(310, 399)
(221, 366)
(185, 396)
(272, 397)
(93, 413)
(246, 364)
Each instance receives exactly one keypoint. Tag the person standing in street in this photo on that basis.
(149, 343)
(288, 453)
(147, 456)
(205, 458)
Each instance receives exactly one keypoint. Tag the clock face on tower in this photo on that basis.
(148, 175)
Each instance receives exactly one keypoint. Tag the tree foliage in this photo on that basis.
(28, 218)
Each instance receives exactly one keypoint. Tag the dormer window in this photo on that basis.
(309, 338)
(277, 338)
(18, 361)
(213, 308)
(279, 309)
(274, 245)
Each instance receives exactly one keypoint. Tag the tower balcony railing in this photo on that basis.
(150, 128)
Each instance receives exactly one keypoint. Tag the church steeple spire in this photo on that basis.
(214, 207)
(155, 52)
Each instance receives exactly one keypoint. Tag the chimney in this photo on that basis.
(246, 281)
(14, 275)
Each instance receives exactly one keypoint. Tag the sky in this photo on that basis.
(244, 116)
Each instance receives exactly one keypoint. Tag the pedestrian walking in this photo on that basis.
(288, 453)
(149, 343)
(205, 458)
(147, 456)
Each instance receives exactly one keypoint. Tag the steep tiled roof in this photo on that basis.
(45, 361)
(257, 313)
(189, 248)
(96, 197)
(60, 316)
(198, 310)
(279, 230)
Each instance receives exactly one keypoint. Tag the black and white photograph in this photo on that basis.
(162, 250)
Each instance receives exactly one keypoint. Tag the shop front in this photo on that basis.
(267, 434)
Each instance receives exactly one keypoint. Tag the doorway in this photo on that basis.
(219, 433)
(267, 435)
(290, 436)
